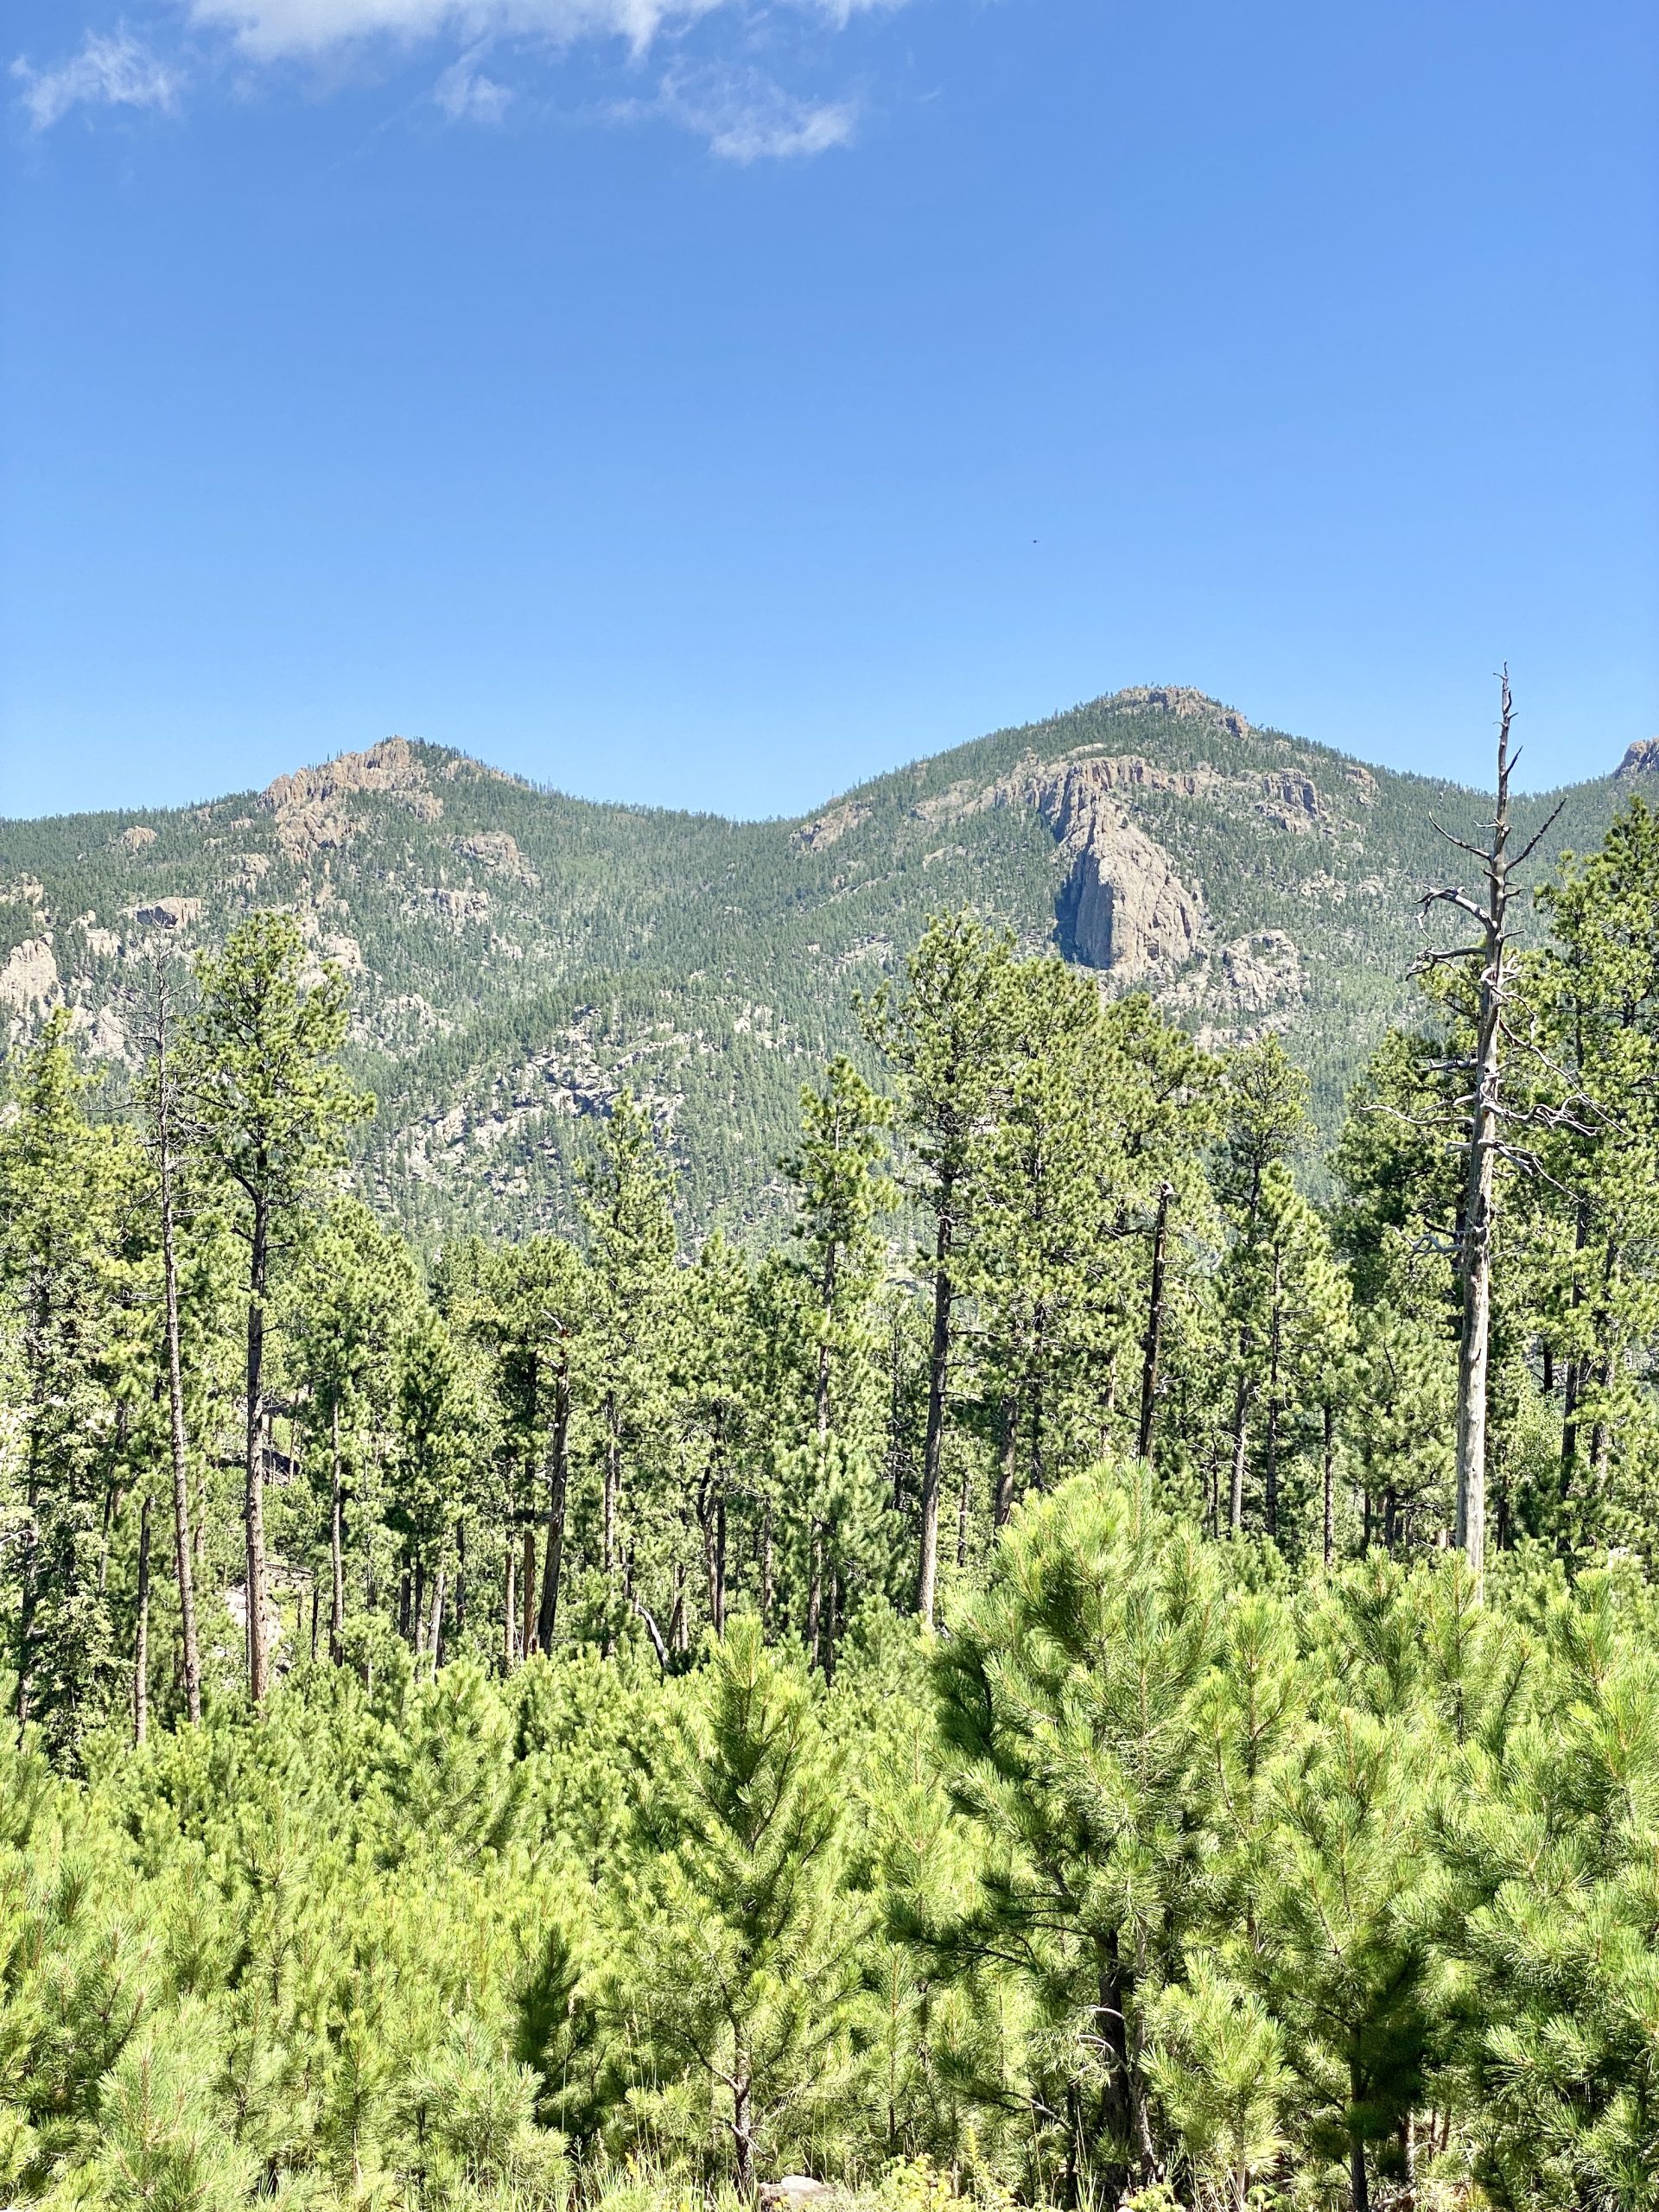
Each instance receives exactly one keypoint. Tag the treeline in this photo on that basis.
(249, 1435)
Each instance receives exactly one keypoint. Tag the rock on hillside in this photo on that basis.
(516, 956)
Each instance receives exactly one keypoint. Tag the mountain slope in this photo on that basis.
(517, 955)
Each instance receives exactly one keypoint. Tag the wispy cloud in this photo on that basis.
(112, 71)
(272, 29)
(466, 95)
(746, 118)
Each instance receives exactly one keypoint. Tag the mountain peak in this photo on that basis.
(1640, 759)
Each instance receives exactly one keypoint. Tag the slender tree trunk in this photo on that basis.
(1359, 2187)
(510, 1610)
(437, 1619)
(254, 1472)
(613, 1483)
(529, 1578)
(814, 1592)
(141, 1639)
(1480, 1179)
(1272, 1458)
(1329, 1476)
(717, 1606)
(1240, 1433)
(417, 1606)
(557, 1479)
(460, 1579)
(336, 1545)
(1007, 1460)
(961, 1518)
(1152, 1342)
(938, 1362)
(181, 1546)
(743, 2125)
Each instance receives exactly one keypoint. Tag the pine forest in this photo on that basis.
(1047, 1598)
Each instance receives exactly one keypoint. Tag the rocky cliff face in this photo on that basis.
(1640, 759)
(1123, 906)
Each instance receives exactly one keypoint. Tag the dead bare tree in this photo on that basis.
(1483, 1116)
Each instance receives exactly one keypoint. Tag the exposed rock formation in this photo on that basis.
(458, 907)
(28, 976)
(494, 851)
(136, 837)
(1123, 907)
(310, 805)
(168, 913)
(1183, 703)
(813, 837)
(1256, 972)
(1640, 759)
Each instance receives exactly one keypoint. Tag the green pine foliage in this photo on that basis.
(968, 1692)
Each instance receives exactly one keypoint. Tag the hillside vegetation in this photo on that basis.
(518, 956)
(1111, 1659)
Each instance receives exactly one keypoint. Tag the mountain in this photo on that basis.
(518, 955)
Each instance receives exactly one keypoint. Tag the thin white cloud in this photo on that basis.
(112, 71)
(747, 117)
(270, 31)
(466, 95)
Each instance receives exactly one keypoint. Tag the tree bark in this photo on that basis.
(529, 1578)
(1329, 1477)
(557, 1481)
(336, 1545)
(176, 1438)
(927, 1578)
(439, 1582)
(1007, 1460)
(254, 1472)
(510, 1610)
(1241, 1432)
(1152, 1342)
(141, 1639)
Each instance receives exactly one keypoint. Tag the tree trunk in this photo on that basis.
(253, 1470)
(1272, 1457)
(181, 1546)
(141, 1639)
(437, 1620)
(510, 1610)
(1241, 1432)
(938, 1362)
(1152, 1342)
(1329, 1476)
(529, 1580)
(557, 1479)
(814, 1592)
(417, 1607)
(1479, 1180)
(460, 1579)
(766, 1569)
(336, 1547)
(613, 1484)
(742, 2125)
(1008, 1459)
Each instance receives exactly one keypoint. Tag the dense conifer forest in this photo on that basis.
(1111, 1658)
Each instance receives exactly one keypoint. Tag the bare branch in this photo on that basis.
(1533, 844)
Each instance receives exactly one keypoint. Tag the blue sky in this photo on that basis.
(713, 402)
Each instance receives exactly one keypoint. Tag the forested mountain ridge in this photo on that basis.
(517, 956)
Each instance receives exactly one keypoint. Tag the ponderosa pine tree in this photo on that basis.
(943, 1036)
(1070, 1712)
(354, 1296)
(628, 1347)
(740, 1936)
(66, 1185)
(275, 1109)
